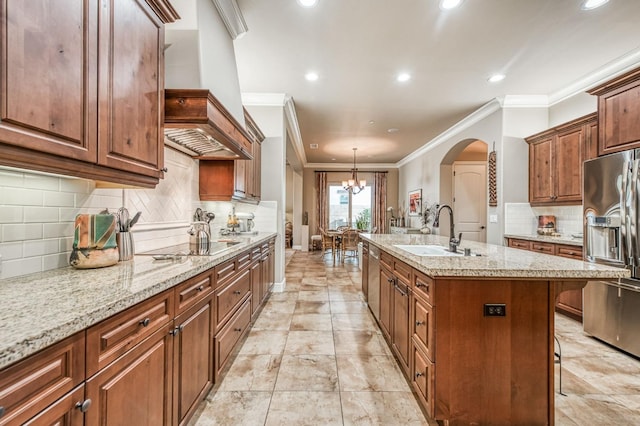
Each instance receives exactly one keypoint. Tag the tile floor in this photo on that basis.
(315, 356)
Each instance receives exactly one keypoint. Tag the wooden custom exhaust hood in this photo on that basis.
(196, 123)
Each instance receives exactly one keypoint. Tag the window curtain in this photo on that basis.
(379, 210)
(321, 190)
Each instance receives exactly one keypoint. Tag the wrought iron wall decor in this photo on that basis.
(493, 189)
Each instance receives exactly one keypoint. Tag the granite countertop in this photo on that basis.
(562, 239)
(494, 261)
(40, 309)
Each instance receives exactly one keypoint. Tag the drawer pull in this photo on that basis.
(419, 374)
(237, 329)
(426, 286)
(200, 287)
(83, 406)
(1, 411)
(419, 323)
(177, 330)
(145, 322)
(237, 292)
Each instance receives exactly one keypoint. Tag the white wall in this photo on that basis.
(574, 107)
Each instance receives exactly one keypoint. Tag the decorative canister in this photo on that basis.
(546, 225)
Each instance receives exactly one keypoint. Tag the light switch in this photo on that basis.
(493, 218)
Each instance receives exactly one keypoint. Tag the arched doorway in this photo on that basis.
(463, 185)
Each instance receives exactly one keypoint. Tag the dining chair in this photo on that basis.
(349, 243)
(328, 243)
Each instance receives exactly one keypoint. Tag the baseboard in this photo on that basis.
(279, 287)
(297, 247)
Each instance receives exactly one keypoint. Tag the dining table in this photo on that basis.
(336, 236)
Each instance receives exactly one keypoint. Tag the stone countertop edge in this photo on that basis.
(494, 261)
(548, 239)
(38, 310)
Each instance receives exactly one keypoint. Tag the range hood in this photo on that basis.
(196, 123)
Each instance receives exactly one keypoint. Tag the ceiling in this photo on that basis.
(357, 47)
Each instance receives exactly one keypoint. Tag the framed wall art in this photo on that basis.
(415, 202)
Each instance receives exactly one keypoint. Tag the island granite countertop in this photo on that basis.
(40, 309)
(494, 261)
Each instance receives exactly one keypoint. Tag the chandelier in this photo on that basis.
(354, 185)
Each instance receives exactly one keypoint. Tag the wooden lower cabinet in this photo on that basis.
(137, 388)
(67, 411)
(422, 379)
(193, 369)
(226, 339)
(400, 336)
(569, 302)
(386, 298)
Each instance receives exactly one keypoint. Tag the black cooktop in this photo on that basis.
(186, 249)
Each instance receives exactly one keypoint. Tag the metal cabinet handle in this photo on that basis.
(389, 280)
(83, 406)
(1, 411)
(200, 288)
(237, 292)
(177, 330)
(164, 169)
(145, 322)
(426, 286)
(419, 374)
(419, 323)
(237, 329)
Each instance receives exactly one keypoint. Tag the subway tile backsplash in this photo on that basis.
(37, 212)
(522, 219)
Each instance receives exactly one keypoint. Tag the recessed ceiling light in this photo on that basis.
(371, 122)
(403, 76)
(449, 4)
(313, 145)
(307, 3)
(496, 78)
(392, 130)
(311, 76)
(592, 4)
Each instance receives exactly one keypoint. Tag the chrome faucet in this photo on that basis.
(453, 241)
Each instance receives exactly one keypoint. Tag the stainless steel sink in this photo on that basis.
(427, 250)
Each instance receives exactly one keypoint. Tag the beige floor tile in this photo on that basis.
(305, 408)
(354, 342)
(308, 373)
(283, 296)
(304, 307)
(310, 342)
(314, 281)
(264, 342)
(381, 408)
(320, 322)
(252, 373)
(370, 373)
(594, 410)
(349, 307)
(284, 307)
(234, 408)
(317, 273)
(353, 322)
(291, 287)
(273, 321)
(314, 296)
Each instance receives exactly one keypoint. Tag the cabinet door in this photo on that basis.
(364, 272)
(591, 142)
(568, 157)
(240, 183)
(386, 300)
(48, 81)
(256, 286)
(540, 172)
(193, 367)
(256, 190)
(618, 113)
(131, 87)
(63, 412)
(423, 326)
(136, 389)
(400, 328)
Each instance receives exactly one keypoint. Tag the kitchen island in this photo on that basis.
(474, 334)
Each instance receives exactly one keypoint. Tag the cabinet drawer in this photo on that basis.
(423, 327)
(423, 286)
(521, 244)
(31, 385)
(227, 338)
(402, 270)
(548, 248)
(243, 260)
(387, 260)
(256, 253)
(573, 252)
(229, 297)
(111, 338)
(224, 271)
(63, 411)
(422, 380)
(192, 291)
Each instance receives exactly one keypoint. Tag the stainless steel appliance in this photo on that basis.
(373, 298)
(611, 309)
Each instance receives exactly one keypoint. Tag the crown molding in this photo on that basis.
(293, 129)
(471, 119)
(524, 101)
(232, 17)
(346, 167)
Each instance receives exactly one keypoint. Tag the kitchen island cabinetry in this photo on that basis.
(618, 111)
(80, 112)
(481, 326)
(569, 302)
(555, 161)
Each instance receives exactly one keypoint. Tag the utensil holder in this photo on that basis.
(125, 245)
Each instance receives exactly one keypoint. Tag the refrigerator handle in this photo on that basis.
(624, 220)
(633, 215)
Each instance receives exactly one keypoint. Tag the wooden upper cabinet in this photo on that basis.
(48, 81)
(131, 87)
(618, 112)
(555, 161)
(81, 83)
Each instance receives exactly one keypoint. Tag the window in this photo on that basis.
(347, 209)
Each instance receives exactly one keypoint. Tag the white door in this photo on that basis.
(470, 200)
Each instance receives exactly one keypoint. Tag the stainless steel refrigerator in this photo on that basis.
(611, 309)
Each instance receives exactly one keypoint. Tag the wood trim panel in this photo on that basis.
(192, 291)
(225, 340)
(230, 297)
(63, 412)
